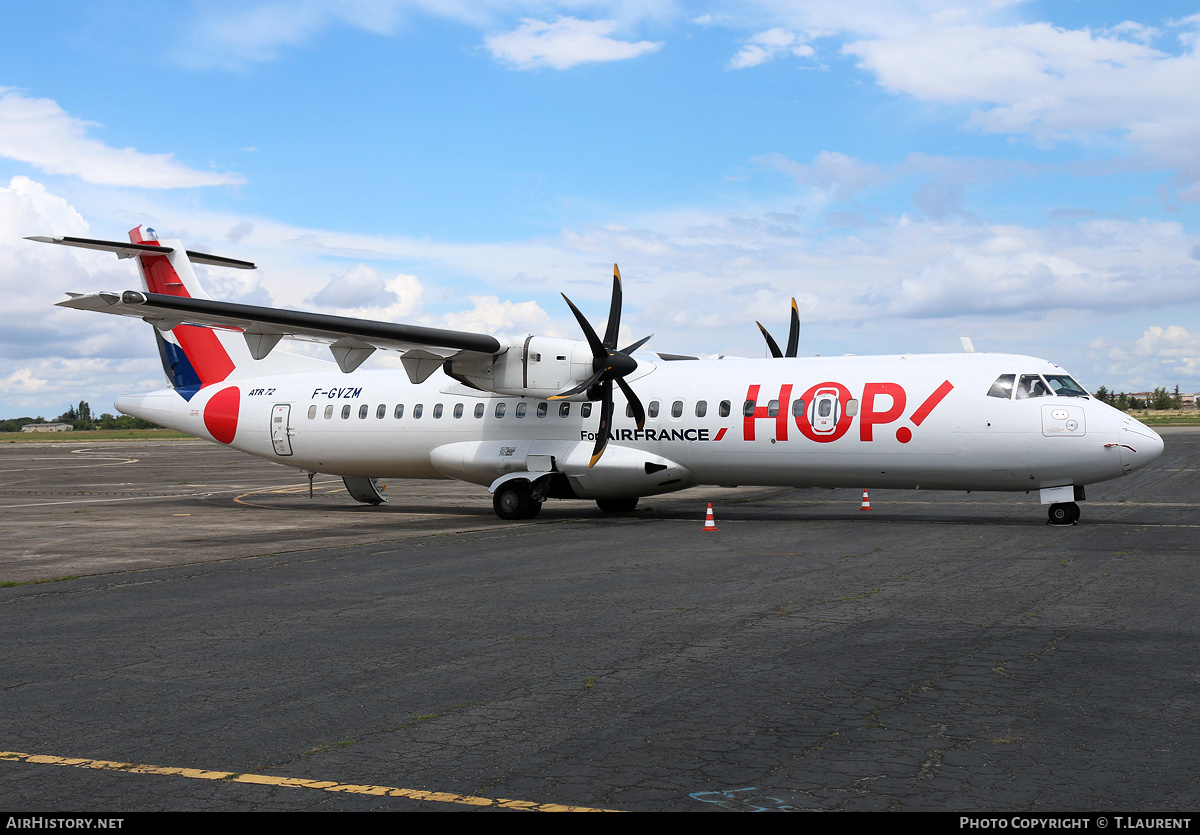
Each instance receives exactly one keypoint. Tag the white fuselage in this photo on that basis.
(907, 421)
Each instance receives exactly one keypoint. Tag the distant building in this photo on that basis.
(47, 427)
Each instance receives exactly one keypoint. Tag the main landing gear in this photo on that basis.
(515, 500)
(1064, 513)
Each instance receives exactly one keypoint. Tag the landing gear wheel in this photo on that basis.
(617, 505)
(514, 500)
(1064, 513)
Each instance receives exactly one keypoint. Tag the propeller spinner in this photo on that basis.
(793, 335)
(608, 365)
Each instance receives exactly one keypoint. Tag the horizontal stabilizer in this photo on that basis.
(127, 250)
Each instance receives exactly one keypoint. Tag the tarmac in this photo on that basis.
(192, 631)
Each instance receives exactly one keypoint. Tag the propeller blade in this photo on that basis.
(635, 405)
(794, 331)
(606, 408)
(636, 345)
(598, 349)
(771, 343)
(614, 312)
(581, 388)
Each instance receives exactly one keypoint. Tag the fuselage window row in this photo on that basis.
(678, 407)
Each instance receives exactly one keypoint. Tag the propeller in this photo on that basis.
(793, 335)
(609, 365)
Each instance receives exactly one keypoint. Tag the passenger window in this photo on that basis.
(851, 407)
(653, 410)
(458, 410)
(542, 409)
(564, 409)
(825, 408)
(701, 408)
(677, 409)
(500, 407)
(797, 408)
(328, 412)
(417, 410)
(723, 411)
(437, 411)
(748, 408)
(521, 409)
(362, 411)
(1031, 385)
(381, 412)
(628, 410)
(773, 408)
(1003, 386)
(585, 410)
(399, 413)
(312, 412)
(346, 412)
(479, 410)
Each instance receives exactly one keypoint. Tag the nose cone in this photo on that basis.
(1139, 445)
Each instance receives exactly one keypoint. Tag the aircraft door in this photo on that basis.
(281, 429)
(824, 411)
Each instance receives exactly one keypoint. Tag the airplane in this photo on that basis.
(536, 417)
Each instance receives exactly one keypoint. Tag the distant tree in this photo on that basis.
(78, 416)
(81, 417)
(1103, 395)
(1123, 401)
(1178, 398)
(15, 424)
(1161, 400)
(108, 421)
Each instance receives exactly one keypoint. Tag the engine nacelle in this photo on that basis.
(532, 366)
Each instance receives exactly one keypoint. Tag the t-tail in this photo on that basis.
(193, 356)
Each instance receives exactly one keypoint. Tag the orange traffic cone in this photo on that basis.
(866, 505)
(710, 524)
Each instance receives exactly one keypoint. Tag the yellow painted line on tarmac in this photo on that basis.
(295, 782)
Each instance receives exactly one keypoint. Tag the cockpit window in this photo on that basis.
(1032, 385)
(1064, 386)
(1003, 386)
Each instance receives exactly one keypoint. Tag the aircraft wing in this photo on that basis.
(350, 340)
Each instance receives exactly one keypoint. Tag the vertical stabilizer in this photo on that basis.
(192, 356)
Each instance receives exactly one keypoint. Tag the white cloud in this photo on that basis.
(233, 36)
(1174, 343)
(768, 45)
(1051, 83)
(40, 133)
(1096, 265)
(1161, 356)
(697, 278)
(490, 315)
(563, 43)
(363, 293)
(839, 175)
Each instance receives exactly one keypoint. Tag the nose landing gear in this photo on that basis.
(1063, 513)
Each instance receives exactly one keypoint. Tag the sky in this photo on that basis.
(1023, 173)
